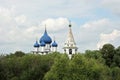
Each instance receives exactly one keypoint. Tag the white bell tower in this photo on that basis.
(70, 45)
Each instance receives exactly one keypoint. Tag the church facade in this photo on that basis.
(45, 45)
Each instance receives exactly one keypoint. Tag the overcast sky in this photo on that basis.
(94, 23)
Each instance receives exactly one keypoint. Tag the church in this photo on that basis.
(45, 45)
(70, 47)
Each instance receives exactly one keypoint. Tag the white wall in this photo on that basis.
(54, 49)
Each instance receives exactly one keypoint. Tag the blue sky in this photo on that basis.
(94, 23)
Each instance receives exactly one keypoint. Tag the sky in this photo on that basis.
(94, 23)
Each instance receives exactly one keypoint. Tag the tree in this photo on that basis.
(115, 73)
(57, 66)
(95, 54)
(83, 68)
(27, 67)
(59, 69)
(108, 52)
(77, 68)
(117, 57)
(19, 53)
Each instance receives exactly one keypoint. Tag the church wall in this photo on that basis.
(42, 48)
(36, 49)
(54, 49)
(47, 47)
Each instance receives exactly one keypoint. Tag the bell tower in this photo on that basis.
(70, 45)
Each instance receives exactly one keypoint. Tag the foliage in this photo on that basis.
(117, 57)
(95, 54)
(78, 68)
(27, 67)
(111, 55)
(103, 64)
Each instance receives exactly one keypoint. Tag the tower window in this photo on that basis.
(65, 50)
(70, 51)
(72, 45)
(75, 49)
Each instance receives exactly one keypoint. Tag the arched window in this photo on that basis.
(70, 51)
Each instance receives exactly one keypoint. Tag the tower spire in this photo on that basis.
(70, 37)
(45, 30)
(45, 27)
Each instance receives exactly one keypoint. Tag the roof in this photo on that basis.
(46, 38)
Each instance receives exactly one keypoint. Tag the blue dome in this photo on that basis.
(36, 44)
(42, 43)
(46, 38)
(54, 44)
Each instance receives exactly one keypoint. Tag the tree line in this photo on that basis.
(103, 64)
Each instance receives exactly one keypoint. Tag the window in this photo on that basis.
(72, 45)
(70, 51)
(67, 44)
(65, 50)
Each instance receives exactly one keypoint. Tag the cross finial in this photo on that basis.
(36, 39)
(45, 27)
(54, 38)
(69, 23)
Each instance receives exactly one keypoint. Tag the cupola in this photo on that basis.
(46, 38)
(36, 44)
(54, 44)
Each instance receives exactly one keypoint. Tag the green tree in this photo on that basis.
(115, 73)
(19, 53)
(95, 54)
(108, 52)
(82, 68)
(78, 68)
(59, 69)
(117, 57)
(27, 67)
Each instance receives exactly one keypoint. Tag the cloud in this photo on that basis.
(112, 5)
(55, 24)
(93, 28)
(14, 27)
(108, 38)
(43, 9)
(20, 19)
(94, 25)
(5, 15)
(89, 36)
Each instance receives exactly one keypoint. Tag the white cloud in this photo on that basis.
(31, 29)
(16, 27)
(54, 24)
(93, 25)
(20, 19)
(5, 15)
(108, 38)
(89, 35)
(112, 5)
(54, 8)
(92, 29)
